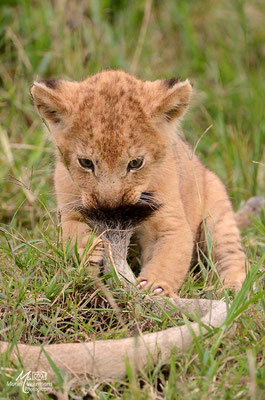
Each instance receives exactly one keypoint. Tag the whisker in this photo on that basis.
(65, 193)
(69, 207)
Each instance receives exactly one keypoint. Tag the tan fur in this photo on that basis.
(112, 118)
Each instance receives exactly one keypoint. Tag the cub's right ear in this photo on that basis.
(48, 98)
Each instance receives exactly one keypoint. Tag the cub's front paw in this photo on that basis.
(233, 281)
(93, 256)
(156, 286)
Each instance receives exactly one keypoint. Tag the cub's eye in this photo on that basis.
(135, 164)
(86, 163)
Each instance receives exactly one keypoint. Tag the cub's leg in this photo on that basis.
(72, 227)
(220, 223)
(167, 244)
(79, 232)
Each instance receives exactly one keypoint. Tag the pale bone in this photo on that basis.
(106, 359)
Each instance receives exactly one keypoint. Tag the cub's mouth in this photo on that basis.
(125, 216)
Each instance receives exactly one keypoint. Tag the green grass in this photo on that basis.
(45, 295)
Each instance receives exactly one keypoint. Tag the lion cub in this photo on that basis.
(117, 148)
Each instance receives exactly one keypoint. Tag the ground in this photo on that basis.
(45, 294)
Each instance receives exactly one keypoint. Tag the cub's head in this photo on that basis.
(112, 131)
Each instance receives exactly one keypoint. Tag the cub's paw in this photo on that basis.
(233, 281)
(94, 255)
(156, 287)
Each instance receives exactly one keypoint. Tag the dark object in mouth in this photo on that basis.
(116, 227)
(124, 216)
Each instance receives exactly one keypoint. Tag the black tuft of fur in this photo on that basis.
(171, 82)
(124, 216)
(50, 83)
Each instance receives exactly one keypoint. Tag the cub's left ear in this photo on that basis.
(173, 100)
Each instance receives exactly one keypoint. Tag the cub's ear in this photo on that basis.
(173, 99)
(50, 102)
